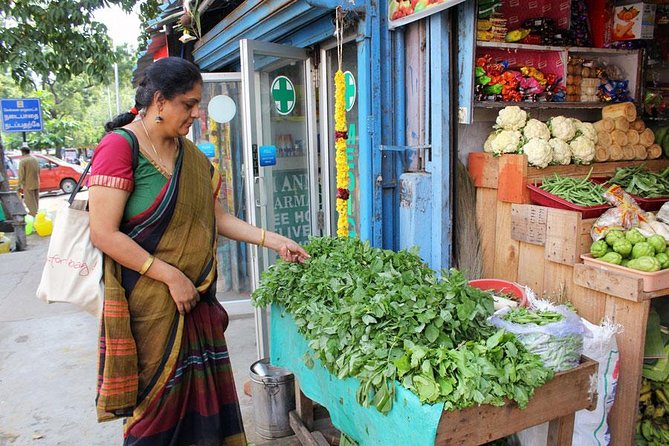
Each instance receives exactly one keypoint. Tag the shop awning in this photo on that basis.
(260, 20)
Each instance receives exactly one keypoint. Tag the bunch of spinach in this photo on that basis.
(382, 316)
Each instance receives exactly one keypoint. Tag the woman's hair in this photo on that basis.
(171, 76)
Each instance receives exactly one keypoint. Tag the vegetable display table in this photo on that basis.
(541, 247)
(410, 422)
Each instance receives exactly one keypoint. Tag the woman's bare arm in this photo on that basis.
(106, 206)
(233, 228)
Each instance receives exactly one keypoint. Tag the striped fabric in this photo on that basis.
(109, 181)
(170, 374)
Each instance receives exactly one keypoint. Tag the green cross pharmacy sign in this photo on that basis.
(350, 91)
(283, 94)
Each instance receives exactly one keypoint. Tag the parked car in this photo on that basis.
(54, 173)
(12, 173)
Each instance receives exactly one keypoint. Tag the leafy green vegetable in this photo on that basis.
(525, 316)
(384, 316)
(641, 182)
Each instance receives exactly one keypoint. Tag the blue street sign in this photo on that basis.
(21, 115)
(267, 155)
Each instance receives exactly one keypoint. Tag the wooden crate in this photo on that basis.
(541, 247)
(509, 174)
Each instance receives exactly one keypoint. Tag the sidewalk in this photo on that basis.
(48, 363)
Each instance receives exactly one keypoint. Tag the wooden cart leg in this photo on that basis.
(303, 435)
(622, 418)
(561, 430)
(304, 407)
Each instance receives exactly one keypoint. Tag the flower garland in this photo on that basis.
(341, 135)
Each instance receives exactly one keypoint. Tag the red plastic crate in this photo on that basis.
(539, 196)
(647, 204)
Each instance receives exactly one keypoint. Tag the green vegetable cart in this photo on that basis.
(410, 422)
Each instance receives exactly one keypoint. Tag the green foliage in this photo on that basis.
(55, 51)
(382, 317)
(58, 39)
(75, 111)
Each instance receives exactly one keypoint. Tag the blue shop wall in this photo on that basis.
(404, 102)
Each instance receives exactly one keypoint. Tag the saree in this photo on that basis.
(169, 374)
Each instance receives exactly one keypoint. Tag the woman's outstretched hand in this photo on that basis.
(287, 249)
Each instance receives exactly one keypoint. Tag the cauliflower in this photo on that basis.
(511, 118)
(487, 145)
(506, 141)
(561, 151)
(536, 129)
(586, 129)
(562, 128)
(582, 149)
(539, 152)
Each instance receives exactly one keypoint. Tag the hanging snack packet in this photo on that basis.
(625, 214)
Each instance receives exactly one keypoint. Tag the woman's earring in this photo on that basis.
(158, 119)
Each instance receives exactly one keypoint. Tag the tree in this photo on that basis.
(74, 111)
(47, 41)
(44, 39)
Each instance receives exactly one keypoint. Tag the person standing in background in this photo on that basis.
(29, 180)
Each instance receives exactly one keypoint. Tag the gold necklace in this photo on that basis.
(160, 160)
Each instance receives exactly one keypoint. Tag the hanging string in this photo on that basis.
(340, 15)
(341, 133)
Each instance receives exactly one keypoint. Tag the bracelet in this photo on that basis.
(262, 238)
(146, 265)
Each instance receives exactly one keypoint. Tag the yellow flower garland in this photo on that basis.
(340, 154)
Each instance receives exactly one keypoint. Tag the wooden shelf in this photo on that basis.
(563, 105)
(541, 247)
(571, 49)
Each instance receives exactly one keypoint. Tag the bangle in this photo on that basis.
(146, 265)
(262, 238)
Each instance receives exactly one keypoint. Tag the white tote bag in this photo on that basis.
(73, 269)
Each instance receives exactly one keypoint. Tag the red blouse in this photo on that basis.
(111, 165)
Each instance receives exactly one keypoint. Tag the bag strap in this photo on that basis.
(135, 161)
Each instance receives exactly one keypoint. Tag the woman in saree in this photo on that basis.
(163, 361)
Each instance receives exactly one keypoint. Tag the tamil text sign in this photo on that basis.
(21, 115)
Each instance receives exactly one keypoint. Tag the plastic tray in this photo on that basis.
(501, 286)
(539, 196)
(657, 280)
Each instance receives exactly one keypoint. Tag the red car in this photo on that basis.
(54, 173)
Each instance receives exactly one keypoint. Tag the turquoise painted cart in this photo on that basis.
(413, 423)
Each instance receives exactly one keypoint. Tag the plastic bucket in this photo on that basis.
(501, 286)
(273, 390)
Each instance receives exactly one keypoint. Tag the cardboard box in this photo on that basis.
(634, 21)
